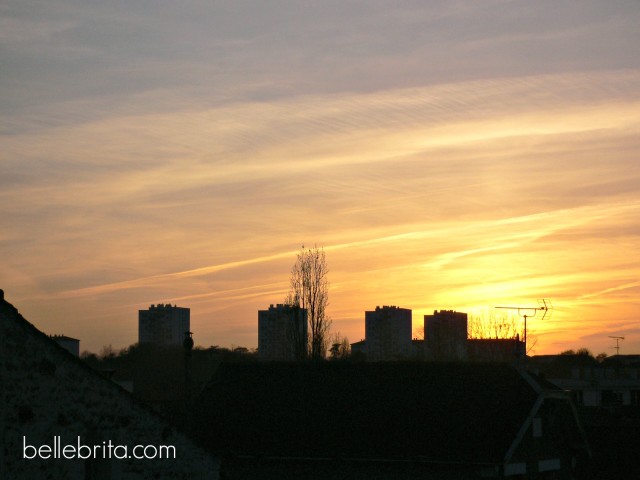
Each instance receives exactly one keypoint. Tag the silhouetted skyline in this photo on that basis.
(450, 156)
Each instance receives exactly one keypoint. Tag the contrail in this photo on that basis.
(418, 234)
(609, 290)
(196, 272)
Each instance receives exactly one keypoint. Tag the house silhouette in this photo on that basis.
(411, 420)
(48, 394)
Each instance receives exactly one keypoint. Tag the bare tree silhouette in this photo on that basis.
(310, 291)
(494, 325)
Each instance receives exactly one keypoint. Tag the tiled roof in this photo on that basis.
(465, 412)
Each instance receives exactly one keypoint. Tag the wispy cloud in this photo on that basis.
(447, 155)
(606, 291)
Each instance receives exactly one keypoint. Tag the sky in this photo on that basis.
(445, 154)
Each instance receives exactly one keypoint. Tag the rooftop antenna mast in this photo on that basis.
(617, 347)
(544, 305)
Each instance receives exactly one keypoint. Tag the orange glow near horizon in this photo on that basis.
(464, 192)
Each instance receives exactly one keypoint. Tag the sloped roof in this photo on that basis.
(47, 392)
(452, 412)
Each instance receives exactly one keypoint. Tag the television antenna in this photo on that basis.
(617, 347)
(544, 305)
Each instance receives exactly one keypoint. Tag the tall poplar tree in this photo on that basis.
(310, 291)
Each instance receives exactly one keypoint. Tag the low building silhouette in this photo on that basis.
(495, 349)
(71, 345)
(359, 349)
(614, 382)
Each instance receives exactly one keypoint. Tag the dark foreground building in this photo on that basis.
(388, 420)
(83, 426)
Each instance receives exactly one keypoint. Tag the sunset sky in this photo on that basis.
(446, 154)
